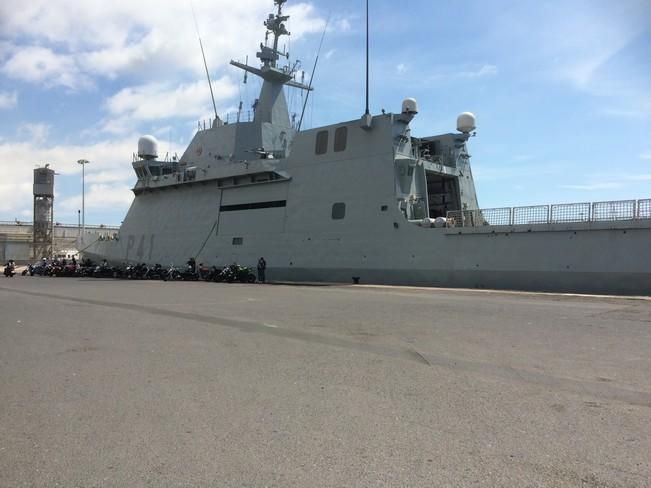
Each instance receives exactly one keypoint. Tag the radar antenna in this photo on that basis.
(269, 55)
(272, 104)
(205, 64)
(367, 110)
(309, 86)
(367, 118)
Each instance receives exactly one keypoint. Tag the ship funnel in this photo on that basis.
(147, 147)
(466, 123)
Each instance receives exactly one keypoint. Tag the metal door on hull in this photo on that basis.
(442, 194)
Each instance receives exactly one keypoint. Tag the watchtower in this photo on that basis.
(43, 212)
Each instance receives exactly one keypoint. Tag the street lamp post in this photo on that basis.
(83, 163)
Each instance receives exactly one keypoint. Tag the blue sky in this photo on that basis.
(561, 90)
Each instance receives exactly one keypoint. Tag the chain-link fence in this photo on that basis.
(496, 216)
(607, 211)
(644, 209)
(570, 212)
(552, 214)
(537, 214)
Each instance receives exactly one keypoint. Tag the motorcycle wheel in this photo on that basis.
(251, 278)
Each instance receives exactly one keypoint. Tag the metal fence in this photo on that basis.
(552, 214)
(496, 216)
(58, 224)
(538, 214)
(644, 209)
(570, 212)
(605, 211)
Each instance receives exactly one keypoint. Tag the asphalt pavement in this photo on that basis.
(108, 383)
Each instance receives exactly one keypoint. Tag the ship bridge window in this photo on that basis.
(338, 211)
(341, 137)
(321, 142)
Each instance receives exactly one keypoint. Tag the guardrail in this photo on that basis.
(57, 224)
(552, 214)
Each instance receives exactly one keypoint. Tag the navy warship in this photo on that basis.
(364, 201)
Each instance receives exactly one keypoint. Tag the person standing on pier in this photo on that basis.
(262, 266)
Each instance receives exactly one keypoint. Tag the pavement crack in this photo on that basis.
(419, 357)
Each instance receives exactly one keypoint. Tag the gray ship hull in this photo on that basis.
(595, 257)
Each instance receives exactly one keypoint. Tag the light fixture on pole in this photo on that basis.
(83, 163)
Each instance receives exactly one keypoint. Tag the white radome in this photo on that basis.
(466, 122)
(409, 106)
(147, 147)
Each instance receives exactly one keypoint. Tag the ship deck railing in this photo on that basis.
(27, 223)
(610, 211)
(233, 118)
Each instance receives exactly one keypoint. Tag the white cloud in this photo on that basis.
(459, 72)
(10, 193)
(485, 70)
(109, 176)
(8, 100)
(42, 65)
(157, 101)
(144, 39)
(36, 133)
(643, 177)
(343, 25)
(401, 68)
(636, 111)
(608, 185)
(646, 155)
(137, 57)
(304, 20)
(100, 196)
(572, 46)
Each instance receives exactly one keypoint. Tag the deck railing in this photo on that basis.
(553, 214)
(27, 223)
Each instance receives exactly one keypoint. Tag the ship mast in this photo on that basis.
(272, 106)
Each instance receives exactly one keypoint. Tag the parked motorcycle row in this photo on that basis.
(227, 274)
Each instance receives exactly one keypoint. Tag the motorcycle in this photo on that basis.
(10, 269)
(55, 269)
(235, 272)
(155, 273)
(188, 274)
(172, 274)
(104, 271)
(39, 269)
(136, 272)
(208, 274)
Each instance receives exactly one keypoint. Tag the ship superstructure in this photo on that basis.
(362, 199)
